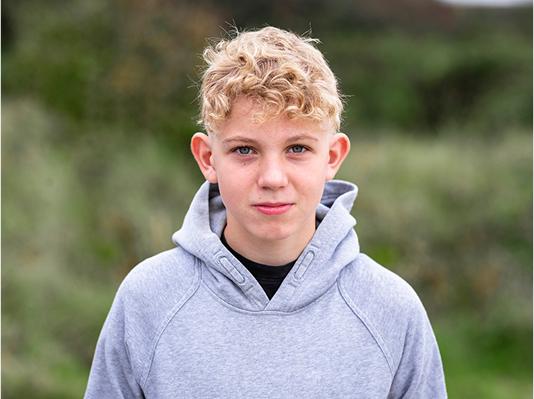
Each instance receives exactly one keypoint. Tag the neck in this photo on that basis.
(268, 252)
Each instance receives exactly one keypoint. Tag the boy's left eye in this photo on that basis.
(297, 149)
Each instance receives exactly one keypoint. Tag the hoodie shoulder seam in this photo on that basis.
(368, 325)
(172, 313)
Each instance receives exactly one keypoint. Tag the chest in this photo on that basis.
(210, 350)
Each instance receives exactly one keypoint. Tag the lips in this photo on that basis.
(273, 208)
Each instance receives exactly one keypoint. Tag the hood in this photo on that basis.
(333, 246)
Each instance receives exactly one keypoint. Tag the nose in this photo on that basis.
(272, 174)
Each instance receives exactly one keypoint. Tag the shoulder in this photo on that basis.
(149, 295)
(154, 287)
(374, 285)
(385, 303)
(158, 279)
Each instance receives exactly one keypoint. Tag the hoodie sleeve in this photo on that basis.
(395, 316)
(420, 371)
(112, 373)
(151, 292)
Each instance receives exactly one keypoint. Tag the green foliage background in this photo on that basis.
(98, 107)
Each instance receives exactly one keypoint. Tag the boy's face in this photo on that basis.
(271, 174)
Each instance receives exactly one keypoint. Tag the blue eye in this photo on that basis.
(244, 150)
(297, 149)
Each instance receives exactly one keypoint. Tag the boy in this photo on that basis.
(266, 294)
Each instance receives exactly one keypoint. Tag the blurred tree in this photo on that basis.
(414, 65)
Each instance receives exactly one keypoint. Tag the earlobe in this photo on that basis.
(339, 149)
(202, 151)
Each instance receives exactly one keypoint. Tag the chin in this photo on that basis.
(274, 233)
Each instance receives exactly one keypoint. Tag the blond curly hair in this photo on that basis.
(283, 73)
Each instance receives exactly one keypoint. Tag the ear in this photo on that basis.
(338, 151)
(202, 151)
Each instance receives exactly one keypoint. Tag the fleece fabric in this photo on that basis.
(192, 322)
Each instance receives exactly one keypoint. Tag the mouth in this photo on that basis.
(273, 208)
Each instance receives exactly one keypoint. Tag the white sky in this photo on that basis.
(487, 3)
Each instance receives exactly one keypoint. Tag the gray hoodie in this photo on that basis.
(192, 322)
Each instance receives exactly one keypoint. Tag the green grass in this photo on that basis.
(484, 360)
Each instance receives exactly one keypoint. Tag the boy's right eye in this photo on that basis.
(243, 150)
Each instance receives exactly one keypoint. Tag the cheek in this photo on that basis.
(233, 189)
(312, 173)
(227, 189)
(311, 183)
(236, 174)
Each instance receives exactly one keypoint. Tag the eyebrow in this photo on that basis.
(240, 139)
(248, 140)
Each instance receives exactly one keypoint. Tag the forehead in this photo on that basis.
(243, 121)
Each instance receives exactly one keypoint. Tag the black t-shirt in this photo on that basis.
(269, 277)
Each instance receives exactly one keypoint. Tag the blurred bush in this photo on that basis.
(430, 82)
(78, 215)
(453, 209)
(136, 64)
